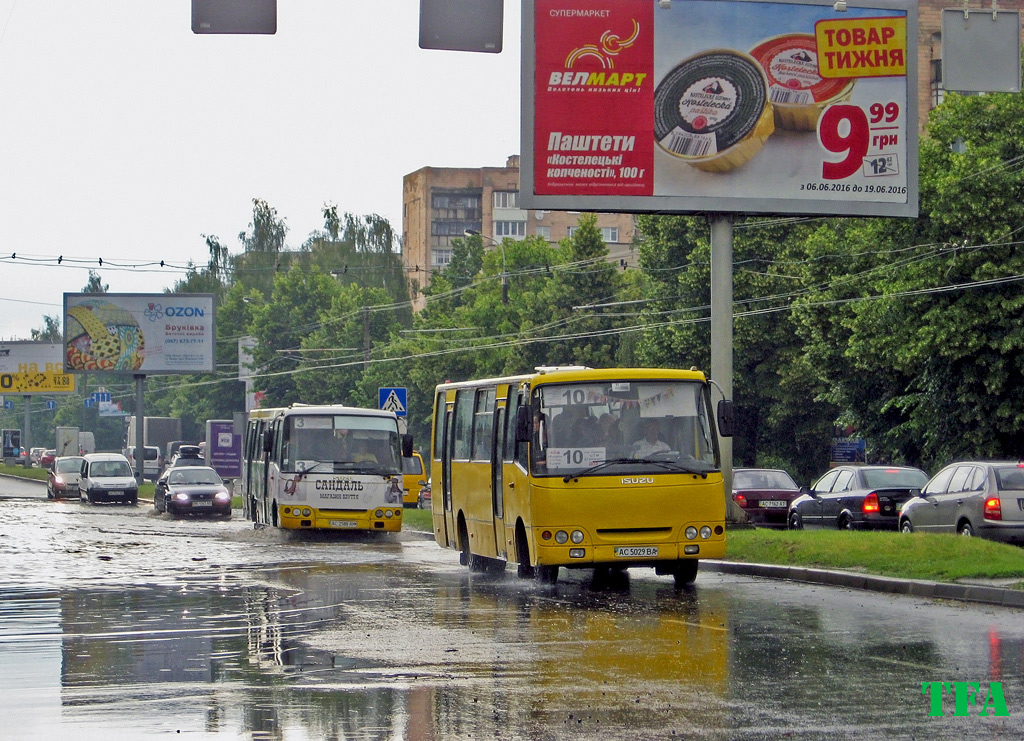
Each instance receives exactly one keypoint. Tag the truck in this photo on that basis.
(156, 432)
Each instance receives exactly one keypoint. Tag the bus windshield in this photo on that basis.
(326, 443)
(616, 427)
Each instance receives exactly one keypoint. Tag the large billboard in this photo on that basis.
(720, 106)
(33, 368)
(139, 333)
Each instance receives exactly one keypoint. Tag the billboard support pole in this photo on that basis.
(26, 438)
(140, 415)
(721, 337)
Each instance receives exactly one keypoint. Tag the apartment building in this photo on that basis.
(439, 204)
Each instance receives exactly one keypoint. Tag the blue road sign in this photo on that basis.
(51, 405)
(393, 399)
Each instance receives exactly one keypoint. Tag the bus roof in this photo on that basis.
(319, 409)
(576, 374)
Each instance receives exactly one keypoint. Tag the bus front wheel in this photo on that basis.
(685, 572)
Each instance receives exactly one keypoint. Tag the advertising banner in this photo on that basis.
(224, 448)
(33, 368)
(720, 105)
(139, 333)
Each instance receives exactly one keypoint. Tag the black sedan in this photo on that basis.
(197, 490)
(857, 498)
(764, 494)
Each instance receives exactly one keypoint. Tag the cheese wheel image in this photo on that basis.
(712, 110)
(797, 92)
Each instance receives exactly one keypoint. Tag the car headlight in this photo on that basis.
(181, 496)
(222, 496)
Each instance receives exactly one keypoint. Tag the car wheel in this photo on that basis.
(91, 499)
(846, 523)
(49, 493)
(795, 522)
(906, 526)
(965, 529)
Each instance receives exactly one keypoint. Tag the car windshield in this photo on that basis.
(763, 480)
(327, 443)
(1010, 478)
(411, 466)
(616, 427)
(111, 468)
(194, 476)
(68, 465)
(892, 478)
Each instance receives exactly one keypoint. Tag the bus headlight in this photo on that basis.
(379, 513)
(388, 513)
(306, 512)
(576, 537)
(561, 537)
(705, 532)
(691, 532)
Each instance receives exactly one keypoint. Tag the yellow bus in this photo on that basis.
(324, 467)
(580, 468)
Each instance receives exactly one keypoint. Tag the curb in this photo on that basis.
(912, 587)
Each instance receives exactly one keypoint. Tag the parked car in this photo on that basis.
(192, 490)
(856, 498)
(150, 460)
(764, 494)
(108, 477)
(982, 498)
(34, 454)
(64, 476)
(423, 499)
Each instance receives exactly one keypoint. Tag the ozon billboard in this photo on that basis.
(720, 106)
(139, 333)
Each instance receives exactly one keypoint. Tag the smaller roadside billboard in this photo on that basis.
(139, 333)
(33, 368)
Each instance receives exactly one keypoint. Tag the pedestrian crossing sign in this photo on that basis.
(393, 399)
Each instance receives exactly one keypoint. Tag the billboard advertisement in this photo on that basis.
(33, 368)
(139, 333)
(224, 448)
(721, 106)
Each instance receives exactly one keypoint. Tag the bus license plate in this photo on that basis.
(635, 552)
(773, 502)
(343, 523)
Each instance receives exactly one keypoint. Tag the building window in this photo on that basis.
(570, 232)
(440, 258)
(610, 234)
(938, 93)
(506, 199)
(513, 229)
(544, 232)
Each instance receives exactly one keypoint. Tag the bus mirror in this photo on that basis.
(524, 425)
(407, 446)
(268, 441)
(726, 421)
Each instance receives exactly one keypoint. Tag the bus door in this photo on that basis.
(447, 445)
(498, 473)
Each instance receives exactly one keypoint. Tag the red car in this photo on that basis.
(47, 458)
(764, 494)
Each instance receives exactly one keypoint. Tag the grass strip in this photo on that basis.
(943, 558)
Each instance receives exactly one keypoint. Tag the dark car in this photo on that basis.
(64, 477)
(857, 498)
(423, 499)
(982, 498)
(192, 490)
(764, 494)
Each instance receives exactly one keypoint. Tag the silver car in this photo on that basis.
(980, 498)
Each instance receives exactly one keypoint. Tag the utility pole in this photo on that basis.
(366, 337)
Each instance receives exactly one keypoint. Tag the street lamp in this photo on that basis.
(504, 273)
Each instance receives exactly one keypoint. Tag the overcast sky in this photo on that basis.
(125, 137)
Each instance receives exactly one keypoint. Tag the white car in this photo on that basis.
(108, 477)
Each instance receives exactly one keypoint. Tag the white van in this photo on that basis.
(150, 461)
(108, 477)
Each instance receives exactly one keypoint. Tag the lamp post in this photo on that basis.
(504, 273)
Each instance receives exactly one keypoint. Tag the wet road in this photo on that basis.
(117, 623)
